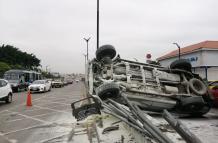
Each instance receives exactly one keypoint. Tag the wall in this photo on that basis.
(210, 58)
(200, 59)
(200, 71)
(195, 59)
(212, 74)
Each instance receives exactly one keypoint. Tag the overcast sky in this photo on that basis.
(54, 29)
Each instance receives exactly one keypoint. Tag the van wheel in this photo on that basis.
(49, 89)
(197, 86)
(105, 51)
(9, 98)
(182, 64)
(108, 90)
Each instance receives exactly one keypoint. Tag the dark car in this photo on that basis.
(18, 85)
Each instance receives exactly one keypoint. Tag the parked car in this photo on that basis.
(65, 82)
(69, 81)
(5, 91)
(213, 88)
(40, 86)
(57, 83)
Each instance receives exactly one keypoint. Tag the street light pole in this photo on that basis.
(85, 58)
(46, 68)
(178, 48)
(85, 67)
(87, 42)
(97, 24)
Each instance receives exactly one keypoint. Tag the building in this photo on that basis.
(203, 57)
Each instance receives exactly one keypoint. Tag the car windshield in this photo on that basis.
(39, 82)
(11, 76)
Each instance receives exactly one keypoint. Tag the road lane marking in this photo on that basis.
(29, 117)
(32, 116)
(27, 128)
(56, 137)
(4, 111)
(24, 103)
(64, 98)
(55, 103)
(52, 109)
(14, 120)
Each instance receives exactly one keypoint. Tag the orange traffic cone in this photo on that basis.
(29, 99)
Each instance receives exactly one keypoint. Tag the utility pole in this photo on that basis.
(86, 72)
(178, 48)
(85, 57)
(87, 42)
(97, 24)
(46, 68)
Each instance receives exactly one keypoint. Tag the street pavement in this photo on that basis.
(48, 119)
(206, 127)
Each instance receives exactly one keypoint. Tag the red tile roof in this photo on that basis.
(191, 48)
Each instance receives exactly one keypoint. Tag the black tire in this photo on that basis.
(8, 98)
(49, 89)
(182, 64)
(105, 51)
(44, 90)
(194, 106)
(108, 90)
(197, 86)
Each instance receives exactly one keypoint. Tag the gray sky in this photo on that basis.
(54, 29)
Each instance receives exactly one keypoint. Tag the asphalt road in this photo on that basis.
(48, 119)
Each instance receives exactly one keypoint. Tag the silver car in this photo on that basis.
(5, 91)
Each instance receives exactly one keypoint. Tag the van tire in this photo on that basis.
(197, 86)
(105, 51)
(182, 64)
(108, 90)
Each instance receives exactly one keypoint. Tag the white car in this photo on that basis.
(5, 91)
(57, 83)
(40, 86)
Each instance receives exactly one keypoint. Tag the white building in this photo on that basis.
(203, 57)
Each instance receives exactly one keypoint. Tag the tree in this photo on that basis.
(16, 58)
(3, 68)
